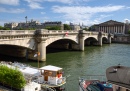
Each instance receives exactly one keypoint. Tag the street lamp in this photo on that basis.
(37, 55)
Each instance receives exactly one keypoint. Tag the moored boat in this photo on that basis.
(94, 83)
(117, 79)
(47, 78)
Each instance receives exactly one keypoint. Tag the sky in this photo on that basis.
(86, 12)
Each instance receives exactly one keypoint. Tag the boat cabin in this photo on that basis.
(51, 74)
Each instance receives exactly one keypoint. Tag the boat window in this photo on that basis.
(46, 73)
(53, 74)
(49, 73)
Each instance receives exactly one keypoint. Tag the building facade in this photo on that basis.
(33, 25)
(11, 25)
(112, 26)
(75, 27)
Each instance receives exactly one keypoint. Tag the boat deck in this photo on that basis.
(98, 86)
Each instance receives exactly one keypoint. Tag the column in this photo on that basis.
(116, 29)
(122, 30)
(42, 50)
(99, 29)
(107, 29)
(102, 28)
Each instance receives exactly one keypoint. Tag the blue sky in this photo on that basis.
(87, 12)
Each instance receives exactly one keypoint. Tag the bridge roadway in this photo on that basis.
(38, 40)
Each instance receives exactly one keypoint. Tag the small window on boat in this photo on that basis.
(50, 73)
(46, 73)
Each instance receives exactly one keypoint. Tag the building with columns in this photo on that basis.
(113, 27)
(119, 29)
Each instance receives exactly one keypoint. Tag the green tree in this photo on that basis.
(86, 29)
(53, 28)
(67, 27)
(1, 28)
(129, 32)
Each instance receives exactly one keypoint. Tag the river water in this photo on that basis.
(93, 61)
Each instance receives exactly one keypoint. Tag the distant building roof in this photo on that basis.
(111, 22)
(119, 75)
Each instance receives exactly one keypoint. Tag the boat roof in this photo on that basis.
(30, 71)
(50, 68)
(26, 70)
(119, 75)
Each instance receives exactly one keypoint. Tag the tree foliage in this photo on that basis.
(67, 27)
(86, 29)
(92, 28)
(53, 28)
(12, 77)
(129, 32)
(4, 28)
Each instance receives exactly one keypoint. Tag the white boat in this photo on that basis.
(47, 78)
(117, 79)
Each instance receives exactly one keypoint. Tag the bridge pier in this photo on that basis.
(109, 38)
(100, 39)
(81, 41)
(42, 50)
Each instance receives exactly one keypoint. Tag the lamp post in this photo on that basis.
(38, 54)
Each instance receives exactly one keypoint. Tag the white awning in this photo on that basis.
(50, 68)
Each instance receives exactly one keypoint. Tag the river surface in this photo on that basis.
(93, 61)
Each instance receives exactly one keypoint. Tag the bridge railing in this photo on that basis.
(16, 32)
(59, 31)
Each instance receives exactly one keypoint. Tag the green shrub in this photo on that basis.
(11, 77)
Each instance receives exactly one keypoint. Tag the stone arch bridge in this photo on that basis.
(38, 40)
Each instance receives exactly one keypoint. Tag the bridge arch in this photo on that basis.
(26, 43)
(65, 44)
(104, 40)
(71, 38)
(90, 41)
(13, 50)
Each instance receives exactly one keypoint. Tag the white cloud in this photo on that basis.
(126, 20)
(43, 13)
(85, 13)
(87, 9)
(34, 4)
(61, 1)
(9, 2)
(11, 10)
(68, 1)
